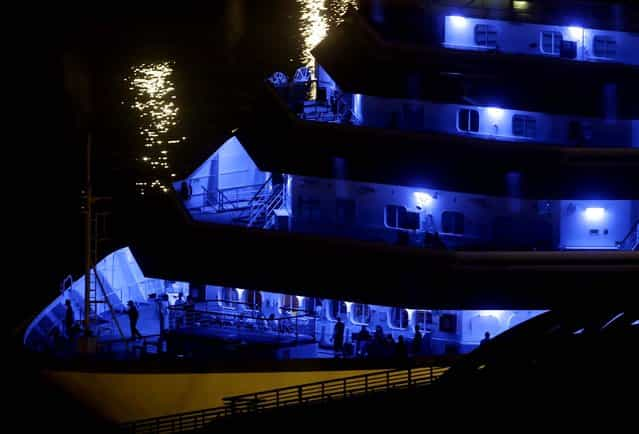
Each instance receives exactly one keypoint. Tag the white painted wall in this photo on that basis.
(371, 199)
(525, 38)
(576, 226)
(495, 123)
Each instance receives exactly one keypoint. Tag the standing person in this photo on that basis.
(338, 337)
(179, 311)
(486, 339)
(163, 312)
(400, 349)
(133, 314)
(68, 319)
(417, 341)
(362, 340)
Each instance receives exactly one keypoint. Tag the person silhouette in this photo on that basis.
(68, 319)
(133, 314)
(486, 339)
(338, 337)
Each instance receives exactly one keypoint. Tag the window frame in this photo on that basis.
(607, 39)
(469, 113)
(526, 120)
(355, 318)
(453, 212)
(397, 219)
(483, 30)
(403, 313)
(555, 47)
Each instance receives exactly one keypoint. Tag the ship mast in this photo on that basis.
(87, 241)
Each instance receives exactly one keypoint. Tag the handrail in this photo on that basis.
(316, 392)
(631, 237)
(181, 317)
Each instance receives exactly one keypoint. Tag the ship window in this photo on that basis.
(551, 42)
(524, 126)
(309, 210)
(312, 305)
(448, 323)
(398, 318)
(289, 302)
(338, 309)
(486, 35)
(253, 299)
(468, 120)
(229, 298)
(361, 313)
(424, 319)
(345, 212)
(452, 222)
(397, 217)
(604, 46)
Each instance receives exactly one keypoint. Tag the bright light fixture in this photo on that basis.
(423, 199)
(576, 32)
(495, 113)
(521, 5)
(457, 21)
(594, 214)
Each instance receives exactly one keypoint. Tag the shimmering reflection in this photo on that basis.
(316, 16)
(155, 101)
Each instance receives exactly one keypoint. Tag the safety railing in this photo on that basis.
(293, 326)
(631, 239)
(323, 391)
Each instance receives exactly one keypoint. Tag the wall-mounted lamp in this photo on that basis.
(423, 199)
(594, 214)
(495, 113)
(576, 32)
(457, 21)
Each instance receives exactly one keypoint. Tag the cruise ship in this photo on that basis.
(452, 168)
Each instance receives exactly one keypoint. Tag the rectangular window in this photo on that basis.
(604, 46)
(397, 217)
(309, 210)
(550, 42)
(448, 323)
(524, 126)
(452, 222)
(468, 120)
(486, 35)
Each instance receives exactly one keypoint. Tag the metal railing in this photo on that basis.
(631, 239)
(225, 199)
(310, 393)
(262, 215)
(297, 326)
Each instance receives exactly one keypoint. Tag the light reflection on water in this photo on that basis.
(316, 17)
(154, 99)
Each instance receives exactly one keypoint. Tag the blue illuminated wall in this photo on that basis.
(595, 224)
(229, 170)
(526, 38)
(495, 123)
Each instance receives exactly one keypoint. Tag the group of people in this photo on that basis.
(378, 345)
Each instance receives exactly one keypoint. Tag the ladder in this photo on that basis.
(99, 230)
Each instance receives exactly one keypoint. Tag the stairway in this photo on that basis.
(631, 240)
(261, 208)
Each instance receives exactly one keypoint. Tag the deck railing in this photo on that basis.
(310, 393)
